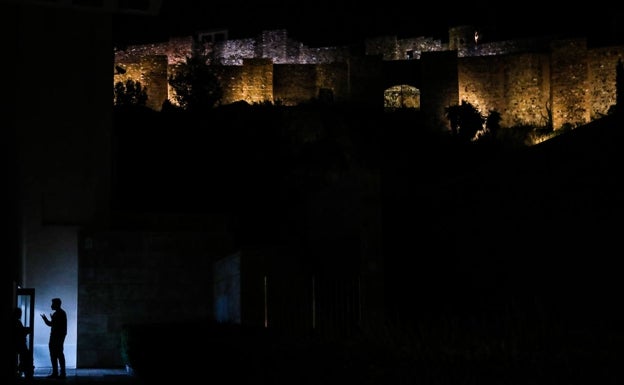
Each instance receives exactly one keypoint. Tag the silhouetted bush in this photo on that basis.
(130, 93)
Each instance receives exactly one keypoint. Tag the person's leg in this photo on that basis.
(61, 359)
(18, 365)
(29, 368)
(61, 356)
(53, 359)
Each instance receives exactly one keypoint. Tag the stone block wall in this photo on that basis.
(257, 77)
(176, 49)
(323, 55)
(524, 80)
(384, 46)
(482, 83)
(232, 83)
(252, 82)
(233, 52)
(416, 46)
(391, 48)
(276, 45)
(569, 86)
(506, 47)
(295, 84)
(151, 72)
(334, 77)
(527, 90)
(516, 86)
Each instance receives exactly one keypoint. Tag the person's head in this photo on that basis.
(56, 303)
(18, 312)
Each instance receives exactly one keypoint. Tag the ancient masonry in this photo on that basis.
(527, 81)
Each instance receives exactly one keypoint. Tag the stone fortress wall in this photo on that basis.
(528, 81)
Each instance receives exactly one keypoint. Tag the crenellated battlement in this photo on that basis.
(528, 81)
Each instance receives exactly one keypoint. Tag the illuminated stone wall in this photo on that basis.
(151, 72)
(527, 90)
(569, 86)
(232, 83)
(251, 82)
(481, 83)
(276, 45)
(324, 55)
(176, 49)
(411, 48)
(334, 77)
(233, 52)
(516, 86)
(295, 84)
(257, 81)
(521, 79)
(391, 48)
(505, 47)
(577, 84)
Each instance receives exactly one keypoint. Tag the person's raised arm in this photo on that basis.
(46, 320)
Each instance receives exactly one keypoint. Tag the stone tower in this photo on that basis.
(463, 36)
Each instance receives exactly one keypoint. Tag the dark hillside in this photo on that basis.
(540, 225)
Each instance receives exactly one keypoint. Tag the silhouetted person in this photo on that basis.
(23, 360)
(58, 331)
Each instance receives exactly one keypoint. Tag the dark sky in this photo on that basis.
(338, 22)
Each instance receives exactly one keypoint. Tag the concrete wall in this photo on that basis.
(59, 123)
(64, 139)
(142, 277)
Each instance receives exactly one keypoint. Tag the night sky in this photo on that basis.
(329, 22)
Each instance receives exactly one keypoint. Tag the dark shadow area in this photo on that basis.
(497, 264)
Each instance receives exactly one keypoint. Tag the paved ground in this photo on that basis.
(84, 377)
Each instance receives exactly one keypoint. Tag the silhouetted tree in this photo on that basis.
(465, 120)
(130, 93)
(196, 85)
(493, 122)
(492, 127)
(548, 118)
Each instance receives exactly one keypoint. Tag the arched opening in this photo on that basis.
(402, 96)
